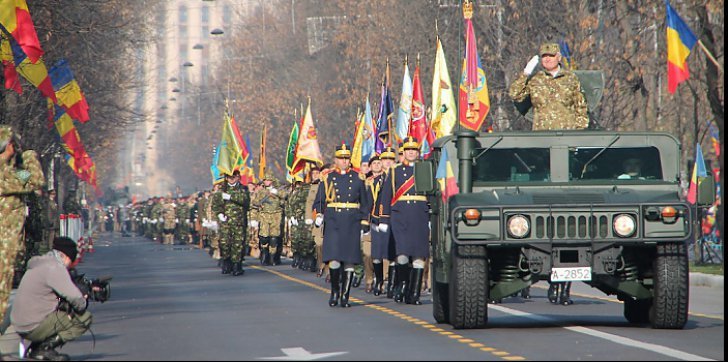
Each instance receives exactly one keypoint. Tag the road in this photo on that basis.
(171, 302)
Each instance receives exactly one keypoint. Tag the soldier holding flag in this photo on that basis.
(407, 213)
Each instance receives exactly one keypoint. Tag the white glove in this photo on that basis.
(222, 217)
(375, 227)
(274, 191)
(290, 221)
(319, 221)
(308, 222)
(176, 221)
(161, 219)
(531, 66)
(254, 224)
(429, 225)
(383, 228)
(187, 221)
(225, 196)
(294, 221)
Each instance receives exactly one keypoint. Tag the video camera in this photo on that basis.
(98, 290)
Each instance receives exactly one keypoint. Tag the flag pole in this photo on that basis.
(710, 56)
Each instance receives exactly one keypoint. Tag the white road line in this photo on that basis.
(667, 351)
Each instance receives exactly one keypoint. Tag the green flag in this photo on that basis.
(291, 151)
(230, 157)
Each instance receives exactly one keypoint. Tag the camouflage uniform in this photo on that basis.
(169, 217)
(233, 222)
(268, 205)
(157, 220)
(317, 234)
(300, 231)
(212, 233)
(14, 183)
(183, 226)
(558, 102)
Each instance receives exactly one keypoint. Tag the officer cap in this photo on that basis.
(342, 152)
(410, 143)
(6, 134)
(388, 154)
(374, 157)
(549, 48)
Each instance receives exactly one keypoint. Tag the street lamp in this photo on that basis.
(187, 64)
(198, 46)
(217, 31)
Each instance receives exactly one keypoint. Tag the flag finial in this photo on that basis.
(468, 9)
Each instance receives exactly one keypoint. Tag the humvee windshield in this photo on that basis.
(635, 163)
(513, 165)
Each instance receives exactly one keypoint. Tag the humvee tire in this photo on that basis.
(469, 287)
(670, 306)
(637, 311)
(440, 305)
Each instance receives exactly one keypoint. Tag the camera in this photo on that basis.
(97, 290)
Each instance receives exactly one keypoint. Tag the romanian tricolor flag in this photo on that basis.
(68, 93)
(474, 100)
(446, 177)
(401, 128)
(680, 41)
(566, 55)
(11, 75)
(15, 18)
(35, 72)
(699, 173)
(216, 174)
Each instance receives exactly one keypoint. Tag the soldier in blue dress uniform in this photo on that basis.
(382, 241)
(408, 215)
(342, 207)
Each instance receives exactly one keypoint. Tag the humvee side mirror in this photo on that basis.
(706, 191)
(424, 177)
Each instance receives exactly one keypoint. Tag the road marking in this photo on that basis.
(300, 354)
(414, 321)
(606, 299)
(667, 351)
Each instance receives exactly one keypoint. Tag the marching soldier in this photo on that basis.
(555, 92)
(269, 202)
(407, 213)
(300, 231)
(157, 219)
(231, 206)
(342, 208)
(169, 220)
(382, 241)
(183, 217)
(317, 237)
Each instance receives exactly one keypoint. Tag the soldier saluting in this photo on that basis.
(407, 213)
(342, 208)
(555, 92)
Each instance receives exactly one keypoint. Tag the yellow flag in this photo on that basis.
(444, 115)
(358, 142)
(308, 146)
(229, 158)
(262, 164)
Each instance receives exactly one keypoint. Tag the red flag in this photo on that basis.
(418, 122)
(474, 100)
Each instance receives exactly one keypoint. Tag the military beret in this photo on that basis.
(549, 48)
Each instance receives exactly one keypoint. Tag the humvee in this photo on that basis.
(558, 206)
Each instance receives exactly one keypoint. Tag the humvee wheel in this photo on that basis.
(440, 305)
(670, 306)
(637, 311)
(469, 287)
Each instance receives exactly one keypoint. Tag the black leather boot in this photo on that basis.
(553, 292)
(378, 279)
(278, 242)
(526, 293)
(415, 286)
(565, 295)
(335, 287)
(238, 269)
(226, 266)
(391, 280)
(312, 264)
(357, 279)
(346, 288)
(46, 350)
(401, 283)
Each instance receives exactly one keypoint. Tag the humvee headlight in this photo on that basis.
(624, 225)
(518, 226)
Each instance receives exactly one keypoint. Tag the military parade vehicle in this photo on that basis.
(559, 206)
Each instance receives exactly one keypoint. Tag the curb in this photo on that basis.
(706, 280)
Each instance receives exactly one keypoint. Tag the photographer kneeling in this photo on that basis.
(37, 315)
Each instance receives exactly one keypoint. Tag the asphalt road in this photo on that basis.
(172, 303)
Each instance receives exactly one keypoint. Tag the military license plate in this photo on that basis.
(581, 273)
